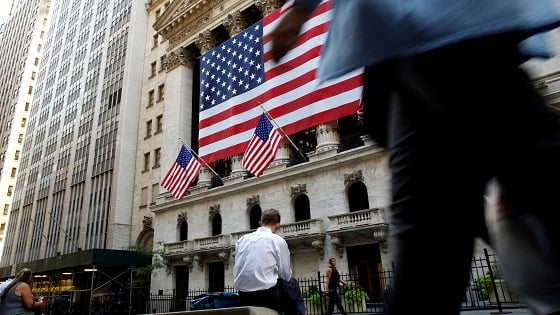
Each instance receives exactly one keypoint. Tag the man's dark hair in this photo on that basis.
(270, 216)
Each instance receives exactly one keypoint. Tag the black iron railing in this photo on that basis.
(369, 292)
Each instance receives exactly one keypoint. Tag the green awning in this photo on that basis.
(97, 257)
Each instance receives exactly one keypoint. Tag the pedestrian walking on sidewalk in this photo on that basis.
(445, 93)
(333, 282)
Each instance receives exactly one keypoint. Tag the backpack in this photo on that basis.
(215, 300)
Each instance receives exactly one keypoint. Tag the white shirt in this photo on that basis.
(261, 258)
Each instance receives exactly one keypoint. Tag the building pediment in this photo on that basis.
(184, 20)
(188, 16)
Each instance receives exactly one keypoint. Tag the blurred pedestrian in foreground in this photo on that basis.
(444, 92)
(17, 298)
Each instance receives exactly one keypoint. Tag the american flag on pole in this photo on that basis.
(181, 175)
(239, 76)
(262, 148)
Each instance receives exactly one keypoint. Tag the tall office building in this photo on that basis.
(21, 46)
(72, 200)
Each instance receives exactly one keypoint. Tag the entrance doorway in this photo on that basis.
(216, 276)
(366, 270)
(182, 281)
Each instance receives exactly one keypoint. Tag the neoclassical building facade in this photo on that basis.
(333, 203)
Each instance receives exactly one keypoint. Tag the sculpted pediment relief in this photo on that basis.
(166, 17)
(184, 20)
(182, 13)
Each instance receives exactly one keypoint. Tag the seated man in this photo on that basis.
(262, 271)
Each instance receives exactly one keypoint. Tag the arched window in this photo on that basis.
(301, 208)
(255, 217)
(184, 231)
(145, 239)
(358, 197)
(217, 224)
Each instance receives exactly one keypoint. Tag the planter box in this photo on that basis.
(504, 293)
(315, 309)
(356, 307)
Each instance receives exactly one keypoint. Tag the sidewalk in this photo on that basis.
(505, 311)
(512, 311)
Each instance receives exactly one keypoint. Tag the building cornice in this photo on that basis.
(248, 186)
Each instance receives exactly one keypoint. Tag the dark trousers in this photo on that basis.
(334, 299)
(271, 298)
(285, 297)
(459, 116)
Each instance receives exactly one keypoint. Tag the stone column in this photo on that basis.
(178, 104)
(368, 140)
(282, 157)
(205, 177)
(235, 24)
(205, 42)
(328, 140)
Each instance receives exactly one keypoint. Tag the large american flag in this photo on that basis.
(262, 148)
(181, 175)
(239, 78)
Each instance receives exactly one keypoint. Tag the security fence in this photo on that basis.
(369, 292)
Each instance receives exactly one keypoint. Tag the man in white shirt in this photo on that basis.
(262, 261)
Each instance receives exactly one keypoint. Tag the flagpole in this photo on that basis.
(64, 231)
(198, 157)
(49, 242)
(283, 132)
